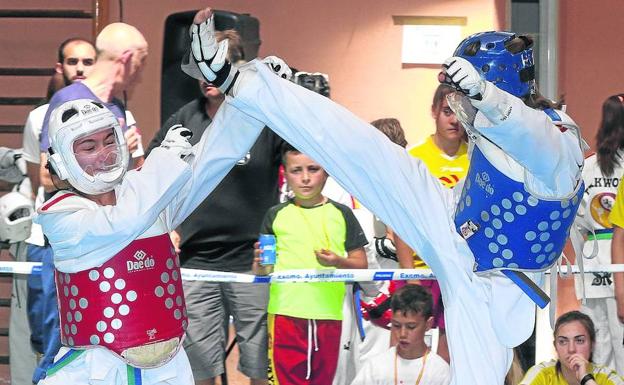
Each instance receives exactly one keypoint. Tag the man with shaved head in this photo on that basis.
(121, 54)
(122, 51)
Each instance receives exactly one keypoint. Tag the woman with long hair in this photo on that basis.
(602, 172)
(575, 339)
(610, 136)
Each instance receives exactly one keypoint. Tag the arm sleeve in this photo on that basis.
(131, 121)
(230, 136)
(91, 235)
(355, 237)
(30, 143)
(555, 158)
(617, 212)
(267, 223)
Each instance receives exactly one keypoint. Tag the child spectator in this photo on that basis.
(312, 232)
(410, 361)
(445, 153)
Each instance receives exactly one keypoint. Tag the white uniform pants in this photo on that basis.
(609, 347)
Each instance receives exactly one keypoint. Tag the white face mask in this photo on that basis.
(89, 148)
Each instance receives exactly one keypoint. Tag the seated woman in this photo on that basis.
(574, 341)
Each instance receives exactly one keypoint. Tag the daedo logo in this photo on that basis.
(143, 262)
(88, 109)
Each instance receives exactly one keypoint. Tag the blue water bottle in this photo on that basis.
(267, 249)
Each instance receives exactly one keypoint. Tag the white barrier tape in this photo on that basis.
(329, 275)
(20, 267)
(351, 275)
(216, 276)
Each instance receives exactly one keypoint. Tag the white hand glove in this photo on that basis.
(177, 140)
(459, 73)
(279, 66)
(208, 58)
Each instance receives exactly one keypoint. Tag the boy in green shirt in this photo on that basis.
(312, 232)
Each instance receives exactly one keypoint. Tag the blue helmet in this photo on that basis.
(509, 66)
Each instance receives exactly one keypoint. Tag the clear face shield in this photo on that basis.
(87, 146)
(99, 155)
(463, 109)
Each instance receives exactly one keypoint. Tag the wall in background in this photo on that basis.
(590, 55)
(354, 41)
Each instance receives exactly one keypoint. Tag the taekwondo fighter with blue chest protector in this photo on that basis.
(512, 214)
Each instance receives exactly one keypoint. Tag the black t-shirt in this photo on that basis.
(220, 233)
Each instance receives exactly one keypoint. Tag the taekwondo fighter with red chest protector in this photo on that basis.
(122, 310)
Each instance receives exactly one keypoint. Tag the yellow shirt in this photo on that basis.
(617, 212)
(449, 169)
(546, 374)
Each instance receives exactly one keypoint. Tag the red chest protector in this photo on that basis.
(132, 301)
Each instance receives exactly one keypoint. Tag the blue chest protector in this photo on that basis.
(505, 226)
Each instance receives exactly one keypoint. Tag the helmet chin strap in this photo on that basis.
(110, 176)
(100, 183)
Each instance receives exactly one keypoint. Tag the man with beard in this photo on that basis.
(76, 57)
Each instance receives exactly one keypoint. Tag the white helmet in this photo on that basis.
(78, 119)
(15, 217)
(12, 165)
